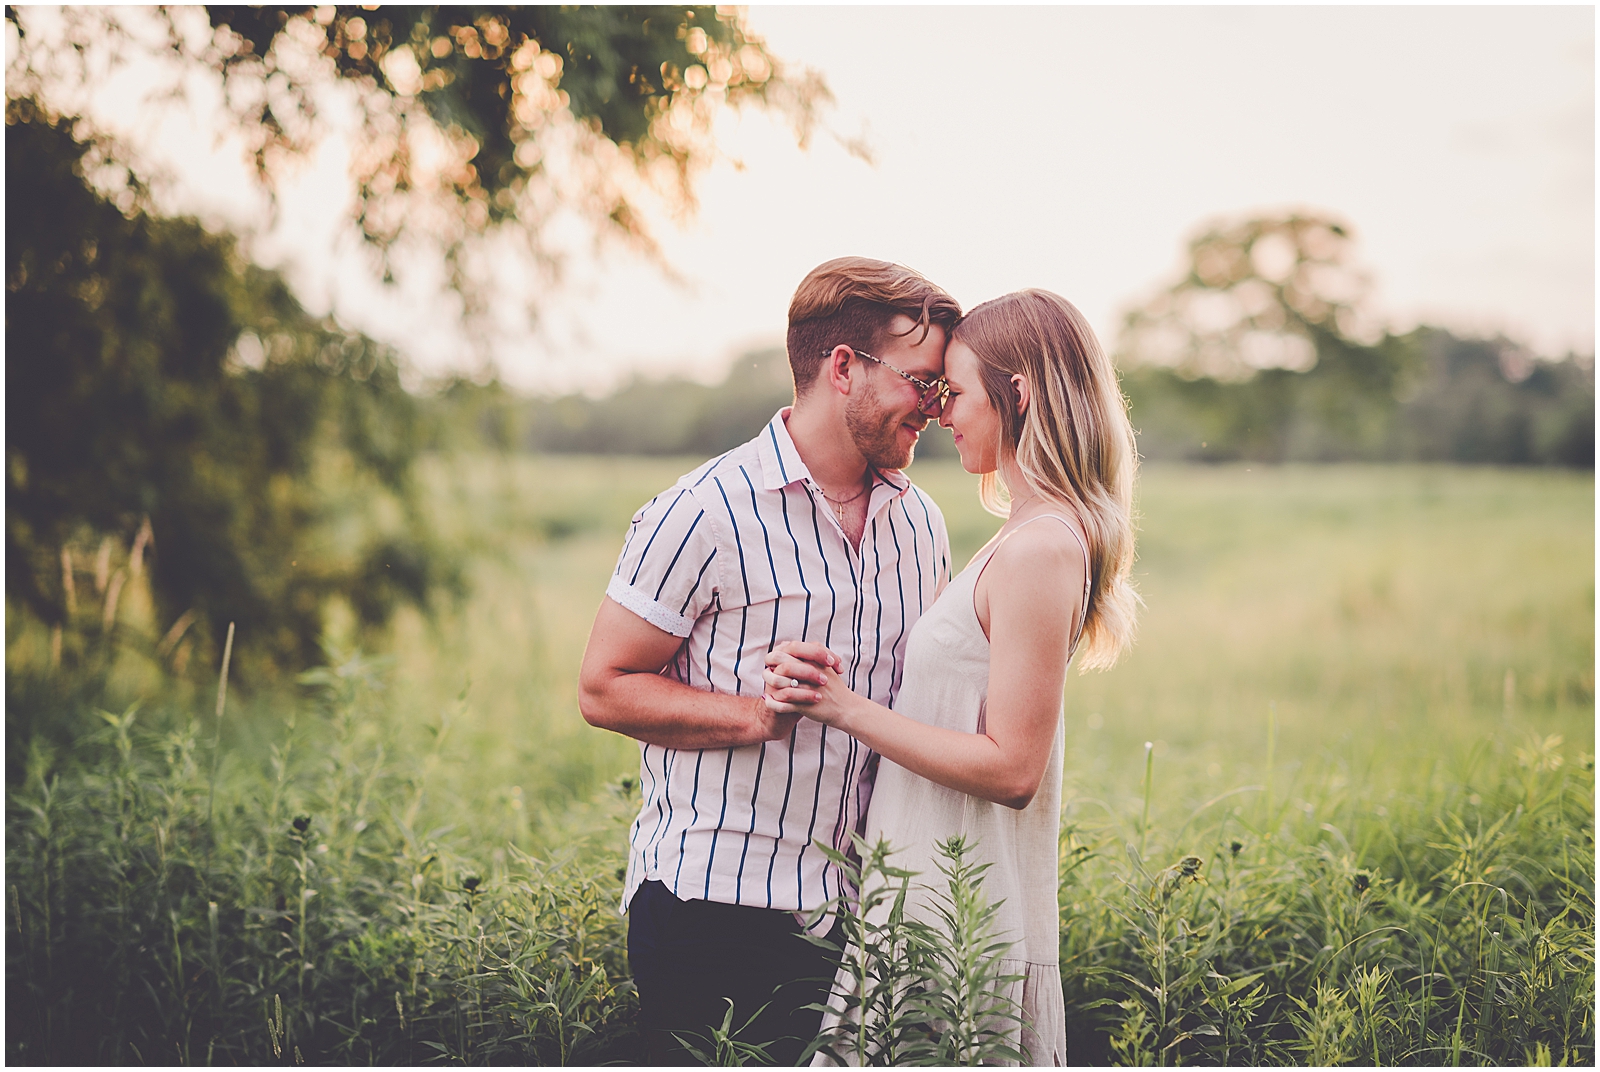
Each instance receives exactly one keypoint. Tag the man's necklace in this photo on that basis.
(840, 504)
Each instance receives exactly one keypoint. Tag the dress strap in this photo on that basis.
(1083, 609)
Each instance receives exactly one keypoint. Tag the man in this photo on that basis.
(808, 531)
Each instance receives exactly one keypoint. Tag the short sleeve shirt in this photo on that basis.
(738, 555)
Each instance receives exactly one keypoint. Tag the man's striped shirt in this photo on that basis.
(740, 554)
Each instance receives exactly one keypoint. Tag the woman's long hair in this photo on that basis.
(1074, 443)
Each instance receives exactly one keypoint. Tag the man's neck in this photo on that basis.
(827, 449)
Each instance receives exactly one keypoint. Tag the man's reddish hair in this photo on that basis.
(851, 301)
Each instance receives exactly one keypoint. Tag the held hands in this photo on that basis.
(803, 679)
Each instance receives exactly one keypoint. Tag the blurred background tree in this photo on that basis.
(474, 121)
(1266, 349)
(496, 83)
(171, 409)
(175, 415)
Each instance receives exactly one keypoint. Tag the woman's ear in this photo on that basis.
(1019, 385)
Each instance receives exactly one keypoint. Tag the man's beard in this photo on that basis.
(876, 432)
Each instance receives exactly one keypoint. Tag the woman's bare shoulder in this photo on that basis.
(1044, 552)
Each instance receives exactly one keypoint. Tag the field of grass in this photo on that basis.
(1361, 830)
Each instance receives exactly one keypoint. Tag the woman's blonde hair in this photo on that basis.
(1074, 443)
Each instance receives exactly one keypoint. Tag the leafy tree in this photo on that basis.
(1264, 349)
(476, 119)
(1481, 401)
(1265, 292)
(165, 395)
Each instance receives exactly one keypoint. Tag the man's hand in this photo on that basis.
(820, 657)
(804, 678)
(621, 688)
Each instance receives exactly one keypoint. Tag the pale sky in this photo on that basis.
(1068, 148)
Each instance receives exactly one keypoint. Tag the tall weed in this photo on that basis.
(1454, 927)
(921, 991)
(311, 916)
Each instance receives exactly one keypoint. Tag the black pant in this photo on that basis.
(687, 956)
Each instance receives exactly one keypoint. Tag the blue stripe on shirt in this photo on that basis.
(669, 760)
(722, 819)
(877, 595)
(855, 614)
(783, 813)
(633, 530)
(800, 572)
(773, 435)
(933, 540)
(916, 551)
(755, 790)
(711, 643)
(676, 555)
(701, 576)
(827, 574)
(711, 467)
(694, 806)
(900, 590)
(738, 544)
(816, 808)
(643, 555)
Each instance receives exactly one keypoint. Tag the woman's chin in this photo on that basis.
(970, 461)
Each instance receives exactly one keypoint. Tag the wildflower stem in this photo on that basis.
(1272, 747)
(1149, 771)
(222, 698)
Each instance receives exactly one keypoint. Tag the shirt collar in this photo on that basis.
(780, 461)
(781, 464)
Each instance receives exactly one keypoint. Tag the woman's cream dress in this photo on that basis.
(946, 683)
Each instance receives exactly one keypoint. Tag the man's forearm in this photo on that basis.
(621, 688)
(660, 711)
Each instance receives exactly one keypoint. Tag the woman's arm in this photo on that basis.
(1034, 587)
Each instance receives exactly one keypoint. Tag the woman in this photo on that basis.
(974, 743)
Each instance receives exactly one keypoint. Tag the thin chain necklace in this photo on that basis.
(840, 504)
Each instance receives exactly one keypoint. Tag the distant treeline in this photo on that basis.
(1427, 396)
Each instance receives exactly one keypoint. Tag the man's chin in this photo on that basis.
(911, 448)
(889, 446)
(893, 459)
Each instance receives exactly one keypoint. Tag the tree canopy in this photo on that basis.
(1257, 293)
(173, 410)
(476, 118)
(167, 398)
(1264, 349)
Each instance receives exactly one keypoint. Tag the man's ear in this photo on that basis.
(1019, 385)
(836, 368)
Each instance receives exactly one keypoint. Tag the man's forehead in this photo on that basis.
(907, 347)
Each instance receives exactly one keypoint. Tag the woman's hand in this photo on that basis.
(803, 679)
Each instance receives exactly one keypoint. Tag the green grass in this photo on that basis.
(1363, 831)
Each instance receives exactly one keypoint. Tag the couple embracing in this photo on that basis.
(784, 615)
